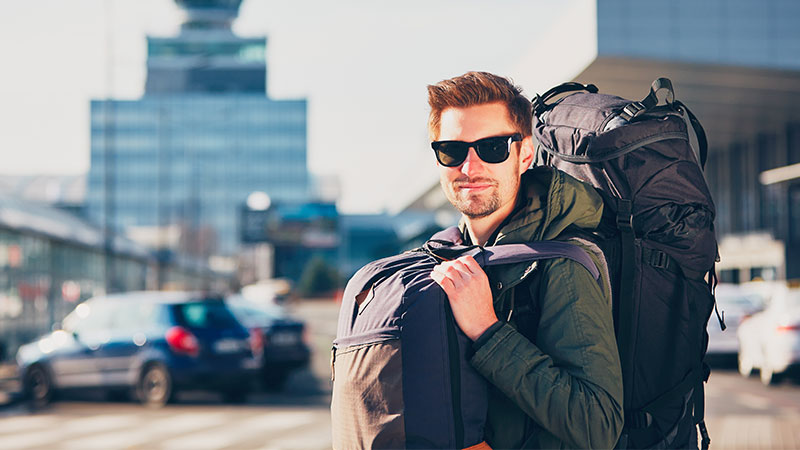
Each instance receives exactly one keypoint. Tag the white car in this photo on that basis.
(770, 340)
(734, 302)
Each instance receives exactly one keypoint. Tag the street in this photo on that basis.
(740, 413)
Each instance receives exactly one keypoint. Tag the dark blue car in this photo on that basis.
(151, 344)
(282, 339)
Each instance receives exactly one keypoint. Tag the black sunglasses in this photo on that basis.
(492, 150)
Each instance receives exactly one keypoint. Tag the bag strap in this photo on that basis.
(651, 101)
(539, 102)
(446, 245)
(702, 140)
(625, 312)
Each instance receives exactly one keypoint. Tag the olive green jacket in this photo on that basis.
(565, 389)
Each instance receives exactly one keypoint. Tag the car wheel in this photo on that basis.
(745, 365)
(155, 386)
(38, 386)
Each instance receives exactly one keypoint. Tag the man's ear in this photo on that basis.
(526, 152)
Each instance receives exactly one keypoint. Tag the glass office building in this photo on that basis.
(204, 136)
(753, 33)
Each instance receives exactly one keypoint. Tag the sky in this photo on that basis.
(363, 66)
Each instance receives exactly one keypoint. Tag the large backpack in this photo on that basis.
(400, 365)
(657, 234)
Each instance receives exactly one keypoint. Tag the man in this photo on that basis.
(543, 336)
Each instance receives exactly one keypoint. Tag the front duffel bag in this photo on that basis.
(400, 367)
(657, 234)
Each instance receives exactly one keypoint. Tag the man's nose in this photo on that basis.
(472, 162)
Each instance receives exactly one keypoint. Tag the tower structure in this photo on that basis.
(183, 158)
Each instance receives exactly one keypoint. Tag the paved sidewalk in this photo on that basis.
(743, 414)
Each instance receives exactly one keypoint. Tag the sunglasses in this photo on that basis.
(492, 150)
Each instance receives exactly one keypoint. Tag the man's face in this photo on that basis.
(477, 188)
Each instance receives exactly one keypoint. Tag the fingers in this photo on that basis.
(458, 272)
(443, 281)
(471, 264)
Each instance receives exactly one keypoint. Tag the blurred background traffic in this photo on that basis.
(253, 195)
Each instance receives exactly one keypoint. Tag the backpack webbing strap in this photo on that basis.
(539, 102)
(663, 261)
(446, 245)
(702, 140)
(625, 319)
(633, 109)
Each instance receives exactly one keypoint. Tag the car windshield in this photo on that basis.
(205, 315)
(256, 313)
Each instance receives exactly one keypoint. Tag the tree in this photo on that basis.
(318, 278)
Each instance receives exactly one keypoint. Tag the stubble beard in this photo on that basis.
(473, 206)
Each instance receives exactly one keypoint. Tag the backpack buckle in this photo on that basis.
(659, 259)
(625, 221)
(631, 110)
(638, 420)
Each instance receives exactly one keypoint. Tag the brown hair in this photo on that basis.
(478, 88)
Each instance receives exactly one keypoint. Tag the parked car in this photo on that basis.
(770, 340)
(151, 344)
(282, 339)
(735, 303)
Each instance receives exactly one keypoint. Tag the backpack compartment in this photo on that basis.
(401, 376)
(367, 405)
(669, 335)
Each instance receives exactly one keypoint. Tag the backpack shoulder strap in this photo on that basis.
(446, 245)
(534, 251)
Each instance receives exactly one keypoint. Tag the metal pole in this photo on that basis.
(163, 195)
(108, 157)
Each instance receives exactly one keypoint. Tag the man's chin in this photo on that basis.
(474, 210)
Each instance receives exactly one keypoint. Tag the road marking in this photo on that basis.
(22, 423)
(120, 439)
(52, 430)
(230, 434)
(28, 440)
(99, 423)
(185, 422)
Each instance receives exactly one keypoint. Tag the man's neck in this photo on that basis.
(480, 229)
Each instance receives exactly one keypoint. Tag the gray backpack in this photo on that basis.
(657, 235)
(401, 371)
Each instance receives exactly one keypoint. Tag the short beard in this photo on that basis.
(473, 208)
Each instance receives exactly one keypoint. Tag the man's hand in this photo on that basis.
(470, 296)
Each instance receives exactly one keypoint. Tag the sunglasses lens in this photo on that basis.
(493, 150)
(451, 154)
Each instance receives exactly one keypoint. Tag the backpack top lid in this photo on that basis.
(587, 127)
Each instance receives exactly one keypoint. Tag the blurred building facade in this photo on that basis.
(204, 136)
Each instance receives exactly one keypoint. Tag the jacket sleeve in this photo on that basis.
(570, 381)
